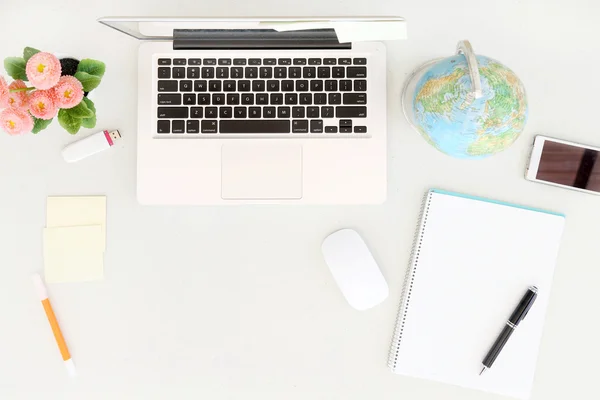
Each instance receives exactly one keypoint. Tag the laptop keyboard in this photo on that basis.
(256, 96)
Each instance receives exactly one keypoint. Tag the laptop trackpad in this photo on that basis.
(261, 171)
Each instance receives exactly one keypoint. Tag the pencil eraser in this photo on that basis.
(70, 367)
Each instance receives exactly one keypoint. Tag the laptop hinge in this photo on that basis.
(255, 39)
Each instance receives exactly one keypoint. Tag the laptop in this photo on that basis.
(261, 111)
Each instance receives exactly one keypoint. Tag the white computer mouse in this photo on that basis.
(354, 269)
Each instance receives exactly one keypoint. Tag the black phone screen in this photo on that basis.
(569, 165)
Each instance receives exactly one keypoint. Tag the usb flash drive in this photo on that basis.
(90, 145)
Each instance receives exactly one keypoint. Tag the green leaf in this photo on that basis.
(15, 67)
(28, 52)
(92, 67)
(68, 122)
(89, 82)
(40, 124)
(89, 122)
(80, 111)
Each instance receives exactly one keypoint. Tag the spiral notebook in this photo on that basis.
(472, 261)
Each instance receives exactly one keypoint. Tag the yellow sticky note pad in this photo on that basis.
(77, 211)
(74, 254)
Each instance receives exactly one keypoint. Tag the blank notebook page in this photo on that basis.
(473, 261)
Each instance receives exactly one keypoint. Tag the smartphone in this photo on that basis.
(565, 164)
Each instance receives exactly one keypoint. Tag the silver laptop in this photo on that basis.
(255, 111)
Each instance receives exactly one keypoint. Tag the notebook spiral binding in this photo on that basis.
(408, 282)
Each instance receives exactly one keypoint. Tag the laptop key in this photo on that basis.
(214, 86)
(269, 112)
(224, 61)
(345, 129)
(345, 122)
(331, 129)
(163, 126)
(324, 72)
(295, 72)
(200, 86)
(193, 72)
(233, 99)
(237, 72)
(243, 86)
(316, 86)
(291, 98)
(239, 61)
(210, 61)
(298, 112)
(360, 61)
(309, 72)
(262, 99)
(164, 73)
(179, 61)
(360, 129)
(208, 72)
(327, 112)
(276, 98)
(320, 98)
(169, 99)
(299, 61)
(193, 126)
(229, 86)
(164, 61)
(218, 99)
(331, 86)
(345, 85)
(273, 86)
(179, 73)
(254, 112)
(204, 99)
(283, 112)
(196, 112)
(266, 72)
(314, 61)
(305, 98)
(269, 61)
(222, 72)
(360, 85)
(178, 127)
(255, 126)
(254, 61)
(208, 126)
(345, 61)
(258, 86)
(210, 112)
(239, 112)
(312, 112)
(355, 98)
(172, 112)
(287, 86)
(301, 86)
(248, 98)
(316, 126)
(351, 112)
(300, 126)
(195, 61)
(285, 61)
(225, 112)
(280, 72)
(338, 72)
(189, 99)
(330, 61)
(357, 72)
(335, 98)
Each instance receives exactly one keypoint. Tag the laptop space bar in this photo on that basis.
(257, 126)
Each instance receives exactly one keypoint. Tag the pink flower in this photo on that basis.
(15, 121)
(42, 104)
(3, 93)
(68, 93)
(43, 70)
(17, 99)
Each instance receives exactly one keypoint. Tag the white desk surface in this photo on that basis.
(236, 302)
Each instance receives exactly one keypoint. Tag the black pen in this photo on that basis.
(517, 316)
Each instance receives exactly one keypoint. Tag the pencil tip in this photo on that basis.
(483, 370)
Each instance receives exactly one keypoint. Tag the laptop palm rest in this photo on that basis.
(261, 171)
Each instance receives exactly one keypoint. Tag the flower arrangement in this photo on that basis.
(58, 88)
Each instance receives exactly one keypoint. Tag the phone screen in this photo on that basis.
(569, 165)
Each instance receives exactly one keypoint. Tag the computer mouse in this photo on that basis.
(354, 269)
